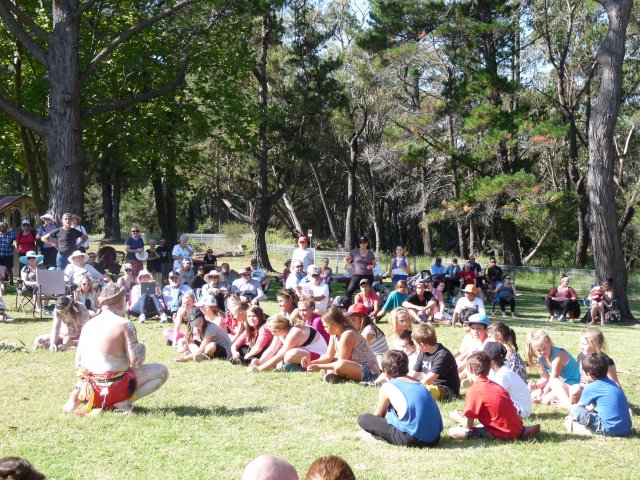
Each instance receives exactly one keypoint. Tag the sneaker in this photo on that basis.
(504, 314)
(293, 367)
(530, 432)
(551, 318)
(513, 315)
(201, 357)
(163, 318)
(141, 318)
(334, 378)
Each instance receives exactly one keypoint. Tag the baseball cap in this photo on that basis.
(357, 309)
(496, 351)
(341, 302)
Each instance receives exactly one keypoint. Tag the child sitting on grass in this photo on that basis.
(436, 364)
(406, 414)
(508, 379)
(399, 321)
(558, 370)
(603, 408)
(491, 405)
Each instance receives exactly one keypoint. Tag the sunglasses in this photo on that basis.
(135, 231)
(508, 278)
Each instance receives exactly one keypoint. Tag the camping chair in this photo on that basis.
(51, 285)
(25, 299)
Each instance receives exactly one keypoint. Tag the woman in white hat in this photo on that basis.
(209, 306)
(214, 288)
(468, 305)
(49, 252)
(78, 269)
(145, 305)
(29, 273)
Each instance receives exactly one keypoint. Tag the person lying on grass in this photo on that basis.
(110, 361)
(293, 342)
(406, 414)
(348, 357)
(491, 405)
(204, 340)
(558, 370)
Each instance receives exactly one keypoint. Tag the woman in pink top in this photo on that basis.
(563, 298)
(255, 338)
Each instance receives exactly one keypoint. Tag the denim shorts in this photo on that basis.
(367, 375)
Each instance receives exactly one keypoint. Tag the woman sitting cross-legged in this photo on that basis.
(293, 342)
(348, 355)
(254, 339)
(204, 340)
(145, 305)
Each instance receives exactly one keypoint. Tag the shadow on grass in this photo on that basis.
(192, 411)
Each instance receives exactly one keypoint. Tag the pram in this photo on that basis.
(411, 283)
(109, 260)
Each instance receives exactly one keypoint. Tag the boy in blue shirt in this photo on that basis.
(406, 414)
(603, 408)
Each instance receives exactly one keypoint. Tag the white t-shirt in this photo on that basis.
(518, 390)
(180, 252)
(305, 255)
(316, 291)
(464, 303)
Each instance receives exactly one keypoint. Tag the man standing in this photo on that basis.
(110, 361)
(65, 239)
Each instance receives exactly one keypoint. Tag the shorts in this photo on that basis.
(441, 392)
(107, 394)
(478, 433)
(314, 355)
(367, 375)
(221, 352)
(7, 262)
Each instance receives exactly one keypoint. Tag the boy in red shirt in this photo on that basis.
(491, 405)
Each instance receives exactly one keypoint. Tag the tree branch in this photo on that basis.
(143, 97)
(21, 34)
(526, 259)
(29, 22)
(628, 211)
(20, 116)
(86, 6)
(236, 213)
(126, 35)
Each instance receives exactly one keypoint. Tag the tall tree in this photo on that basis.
(605, 238)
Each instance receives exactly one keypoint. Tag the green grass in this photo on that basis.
(211, 418)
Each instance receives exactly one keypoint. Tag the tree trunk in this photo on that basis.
(349, 224)
(472, 236)
(63, 135)
(605, 239)
(107, 207)
(325, 205)
(460, 228)
(425, 229)
(511, 249)
(117, 198)
(291, 209)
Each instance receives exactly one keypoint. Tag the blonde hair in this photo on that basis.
(189, 295)
(280, 322)
(393, 323)
(594, 337)
(239, 307)
(535, 337)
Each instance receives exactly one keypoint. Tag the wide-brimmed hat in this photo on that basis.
(47, 216)
(142, 256)
(207, 301)
(111, 294)
(31, 254)
(143, 273)
(212, 273)
(471, 289)
(78, 253)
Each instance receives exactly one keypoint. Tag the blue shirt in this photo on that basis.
(611, 405)
(570, 371)
(134, 245)
(422, 419)
(438, 270)
(6, 244)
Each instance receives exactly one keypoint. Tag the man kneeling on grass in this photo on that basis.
(110, 361)
(406, 414)
(491, 405)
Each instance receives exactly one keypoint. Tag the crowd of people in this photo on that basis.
(217, 315)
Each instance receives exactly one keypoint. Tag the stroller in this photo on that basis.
(412, 282)
(109, 260)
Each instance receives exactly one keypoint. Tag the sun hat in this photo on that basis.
(26, 222)
(471, 289)
(357, 309)
(312, 270)
(212, 273)
(31, 254)
(78, 253)
(144, 272)
(111, 294)
(47, 216)
(142, 256)
(207, 301)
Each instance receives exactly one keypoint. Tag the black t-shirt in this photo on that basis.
(164, 254)
(197, 282)
(153, 265)
(494, 273)
(67, 240)
(443, 363)
(415, 300)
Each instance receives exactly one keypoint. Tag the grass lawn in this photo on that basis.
(211, 418)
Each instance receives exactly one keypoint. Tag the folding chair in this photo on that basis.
(25, 299)
(51, 285)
